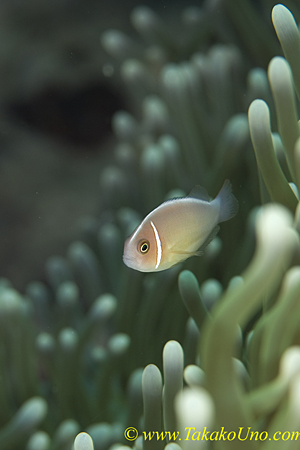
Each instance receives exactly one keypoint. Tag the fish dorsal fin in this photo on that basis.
(199, 192)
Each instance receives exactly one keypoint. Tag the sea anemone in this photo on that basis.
(74, 347)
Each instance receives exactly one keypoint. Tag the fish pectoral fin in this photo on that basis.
(181, 252)
(200, 251)
(210, 237)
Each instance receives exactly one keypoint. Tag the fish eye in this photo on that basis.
(144, 246)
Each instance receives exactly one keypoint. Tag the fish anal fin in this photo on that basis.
(199, 192)
(228, 203)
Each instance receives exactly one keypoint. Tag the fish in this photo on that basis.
(178, 229)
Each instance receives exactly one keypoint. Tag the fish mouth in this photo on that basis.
(128, 261)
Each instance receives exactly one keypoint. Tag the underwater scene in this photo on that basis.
(150, 220)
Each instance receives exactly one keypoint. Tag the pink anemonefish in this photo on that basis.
(178, 229)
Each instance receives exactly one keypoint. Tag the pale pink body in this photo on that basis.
(177, 229)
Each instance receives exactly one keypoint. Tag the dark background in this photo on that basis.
(55, 113)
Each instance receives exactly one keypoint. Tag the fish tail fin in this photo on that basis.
(228, 203)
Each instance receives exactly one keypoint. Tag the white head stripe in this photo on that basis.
(158, 243)
(136, 231)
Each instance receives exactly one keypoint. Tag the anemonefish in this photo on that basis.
(178, 229)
